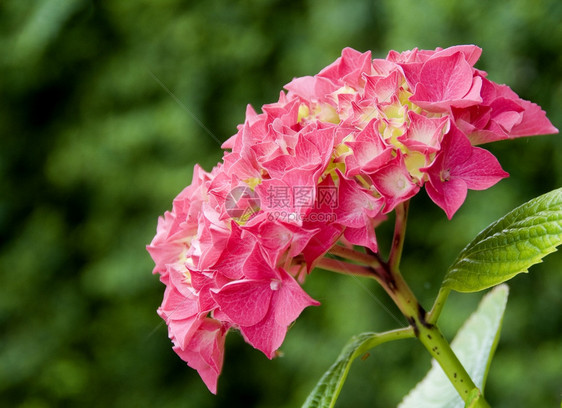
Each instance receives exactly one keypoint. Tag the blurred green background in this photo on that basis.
(93, 149)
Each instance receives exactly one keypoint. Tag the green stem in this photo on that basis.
(354, 255)
(401, 212)
(437, 308)
(380, 338)
(422, 325)
(346, 268)
(430, 336)
(426, 331)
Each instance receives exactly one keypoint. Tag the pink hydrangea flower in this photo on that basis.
(323, 165)
(458, 167)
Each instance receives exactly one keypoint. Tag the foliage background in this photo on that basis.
(93, 149)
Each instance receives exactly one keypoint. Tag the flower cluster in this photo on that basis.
(319, 167)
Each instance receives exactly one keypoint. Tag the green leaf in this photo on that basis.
(474, 346)
(326, 392)
(509, 246)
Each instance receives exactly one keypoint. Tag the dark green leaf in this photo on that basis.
(509, 246)
(327, 390)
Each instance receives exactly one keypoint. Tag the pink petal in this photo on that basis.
(503, 115)
(204, 283)
(382, 88)
(321, 242)
(314, 147)
(412, 73)
(256, 266)
(245, 302)
(363, 236)
(205, 352)
(180, 278)
(470, 52)
(349, 68)
(311, 88)
(181, 331)
(370, 152)
(290, 300)
(301, 238)
(275, 239)
(319, 223)
(506, 113)
(177, 306)
(236, 252)
(449, 196)
(481, 171)
(356, 204)
(287, 303)
(424, 134)
(394, 183)
(534, 122)
(267, 336)
(459, 166)
(444, 80)
(180, 314)
(164, 248)
(213, 237)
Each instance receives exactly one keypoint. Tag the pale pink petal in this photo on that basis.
(370, 152)
(349, 68)
(205, 352)
(251, 117)
(213, 234)
(383, 67)
(394, 183)
(382, 88)
(203, 284)
(181, 314)
(424, 134)
(356, 205)
(164, 249)
(236, 252)
(311, 88)
(180, 278)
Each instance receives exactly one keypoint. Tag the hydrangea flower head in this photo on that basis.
(320, 167)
